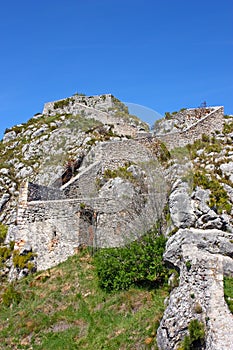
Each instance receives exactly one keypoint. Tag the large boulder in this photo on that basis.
(181, 210)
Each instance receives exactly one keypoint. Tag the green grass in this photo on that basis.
(228, 292)
(63, 308)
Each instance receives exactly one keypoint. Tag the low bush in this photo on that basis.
(5, 253)
(168, 115)
(11, 296)
(3, 232)
(139, 263)
(119, 172)
(219, 200)
(163, 153)
(228, 292)
(228, 128)
(62, 103)
(206, 143)
(196, 337)
(23, 261)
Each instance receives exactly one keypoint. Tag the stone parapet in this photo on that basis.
(206, 125)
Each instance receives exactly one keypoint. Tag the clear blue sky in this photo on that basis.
(163, 54)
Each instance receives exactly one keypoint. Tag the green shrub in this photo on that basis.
(228, 292)
(23, 261)
(120, 105)
(17, 129)
(119, 172)
(218, 197)
(3, 232)
(163, 153)
(196, 337)
(167, 115)
(188, 265)
(214, 147)
(5, 254)
(11, 296)
(62, 103)
(205, 138)
(139, 263)
(228, 128)
(206, 143)
(79, 94)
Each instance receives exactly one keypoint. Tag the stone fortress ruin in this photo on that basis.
(58, 219)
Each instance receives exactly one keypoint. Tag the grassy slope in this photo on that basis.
(64, 308)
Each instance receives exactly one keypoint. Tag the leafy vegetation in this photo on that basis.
(163, 153)
(228, 128)
(122, 172)
(218, 198)
(64, 308)
(228, 292)
(5, 254)
(207, 143)
(79, 94)
(62, 103)
(3, 232)
(139, 263)
(22, 261)
(120, 105)
(196, 338)
(11, 296)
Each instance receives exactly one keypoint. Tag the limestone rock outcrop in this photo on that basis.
(202, 257)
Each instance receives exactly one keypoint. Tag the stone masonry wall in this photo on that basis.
(96, 107)
(206, 125)
(38, 192)
(55, 229)
(107, 155)
(101, 102)
(58, 222)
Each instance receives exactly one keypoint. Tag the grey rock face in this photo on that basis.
(4, 171)
(4, 200)
(227, 169)
(202, 257)
(181, 210)
(9, 136)
(117, 188)
(201, 197)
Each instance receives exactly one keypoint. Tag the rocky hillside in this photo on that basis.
(189, 192)
(42, 148)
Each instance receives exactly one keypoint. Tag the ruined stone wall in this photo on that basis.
(207, 125)
(39, 193)
(107, 155)
(100, 108)
(51, 228)
(84, 184)
(100, 102)
(123, 151)
(55, 229)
